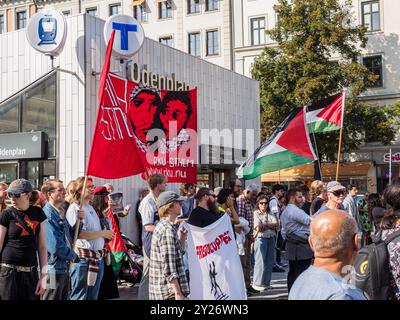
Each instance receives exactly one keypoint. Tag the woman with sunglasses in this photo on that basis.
(265, 226)
(336, 195)
(22, 242)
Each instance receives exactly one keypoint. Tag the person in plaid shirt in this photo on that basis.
(246, 206)
(167, 277)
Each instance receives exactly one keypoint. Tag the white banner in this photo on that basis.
(215, 269)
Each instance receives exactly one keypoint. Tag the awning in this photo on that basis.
(158, 1)
(306, 171)
(137, 2)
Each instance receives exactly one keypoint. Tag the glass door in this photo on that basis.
(8, 171)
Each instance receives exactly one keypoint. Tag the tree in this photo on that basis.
(317, 53)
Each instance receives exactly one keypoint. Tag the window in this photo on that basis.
(194, 44)
(21, 20)
(1, 24)
(193, 6)
(211, 5)
(169, 41)
(115, 9)
(257, 31)
(66, 13)
(91, 11)
(140, 13)
(371, 15)
(212, 42)
(39, 105)
(374, 64)
(164, 10)
(9, 115)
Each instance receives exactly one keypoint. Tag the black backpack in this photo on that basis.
(372, 269)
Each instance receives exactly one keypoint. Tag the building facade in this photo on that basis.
(199, 27)
(253, 17)
(61, 104)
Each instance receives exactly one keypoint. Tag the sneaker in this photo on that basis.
(283, 265)
(259, 288)
(278, 268)
(251, 290)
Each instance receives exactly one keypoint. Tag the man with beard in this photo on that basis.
(206, 212)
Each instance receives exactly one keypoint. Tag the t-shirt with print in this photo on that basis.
(19, 246)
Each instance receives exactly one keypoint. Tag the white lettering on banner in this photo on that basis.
(12, 152)
(113, 117)
(214, 259)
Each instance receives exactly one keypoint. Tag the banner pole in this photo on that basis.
(340, 137)
(78, 221)
(390, 166)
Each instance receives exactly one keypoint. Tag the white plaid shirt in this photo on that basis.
(166, 262)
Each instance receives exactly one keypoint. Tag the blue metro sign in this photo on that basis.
(124, 28)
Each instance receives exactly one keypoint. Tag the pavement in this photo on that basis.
(277, 292)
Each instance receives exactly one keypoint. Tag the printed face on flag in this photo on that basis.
(142, 110)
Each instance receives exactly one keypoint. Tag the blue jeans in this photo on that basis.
(79, 288)
(264, 257)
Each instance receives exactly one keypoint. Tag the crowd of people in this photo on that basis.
(316, 230)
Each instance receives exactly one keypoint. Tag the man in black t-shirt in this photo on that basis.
(206, 212)
(22, 239)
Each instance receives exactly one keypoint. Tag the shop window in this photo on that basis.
(193, 6)
(212, 43)
(21, 20)
(194, 44)
(257, 31)
(115, 9)
(140, 13)
(374, 64)
(91, 11)
(168, 41)
(211, 5)
(9, 114)
(39, 111)
(164, 10)
(2, 29)
(371, 15)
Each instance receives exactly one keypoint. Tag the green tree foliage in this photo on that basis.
(318, 46)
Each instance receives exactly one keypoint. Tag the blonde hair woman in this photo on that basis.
(3, 196)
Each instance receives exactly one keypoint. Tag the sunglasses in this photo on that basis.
(338, 193)
(262, 202)
(14, 195)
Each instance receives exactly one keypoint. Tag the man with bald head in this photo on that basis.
(333, 239)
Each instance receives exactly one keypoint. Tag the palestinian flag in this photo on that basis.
(116, 245)
(326, 115)
(288, 146)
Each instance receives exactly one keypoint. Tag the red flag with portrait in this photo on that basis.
(144, 130)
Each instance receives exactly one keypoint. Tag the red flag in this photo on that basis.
(113, 152)
(141, 129)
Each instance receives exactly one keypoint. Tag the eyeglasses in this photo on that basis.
(90, 187)
(338, 193)
(262, 202)
(14, 195)
(59, 190)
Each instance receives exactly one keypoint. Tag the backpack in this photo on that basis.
(372, 269)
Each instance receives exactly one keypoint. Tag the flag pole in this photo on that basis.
(340, 136)
(78, 221)
(390, 166)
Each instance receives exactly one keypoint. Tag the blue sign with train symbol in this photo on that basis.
(47, 30)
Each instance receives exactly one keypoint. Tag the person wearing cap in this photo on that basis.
(148, 211)
(167, 278)
(22, 242)
(59, 242)
(86, 275)
(102, 205)
(336, 194)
